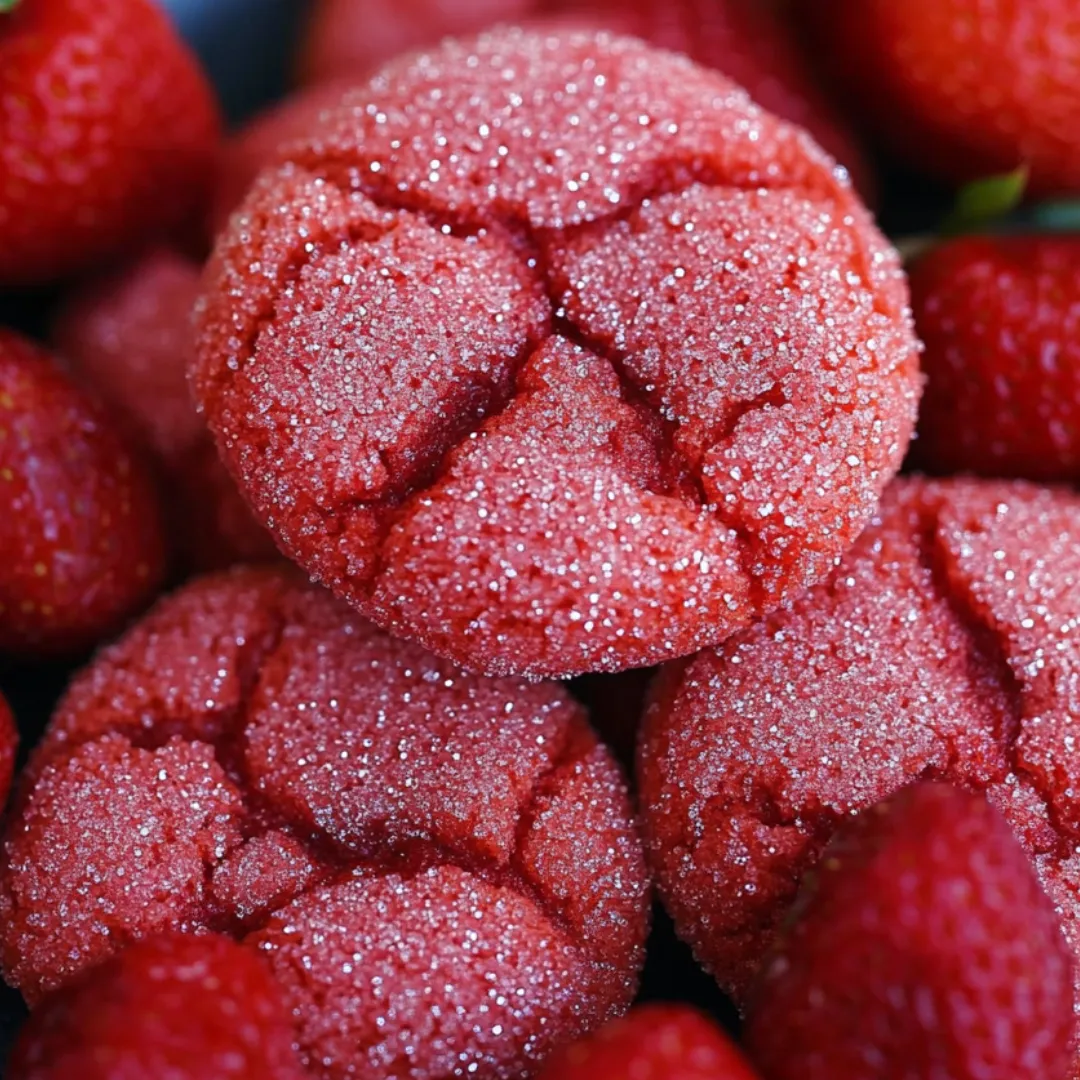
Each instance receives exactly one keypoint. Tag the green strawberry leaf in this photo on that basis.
(8, 5)
(983, 202)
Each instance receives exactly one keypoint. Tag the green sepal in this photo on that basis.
(982, 202)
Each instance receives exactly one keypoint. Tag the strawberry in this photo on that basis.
(129, 335)
(746, 41)
(185, 1008)
(1001, 324)
(108, 134)
(350, 37)
(653, 1042)
(81, 544)
(962, 88)
(922, 948)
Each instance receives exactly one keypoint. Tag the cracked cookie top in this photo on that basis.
(441, 869)
(944, 646)
(554, 353)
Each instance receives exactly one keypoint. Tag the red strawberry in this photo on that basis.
(176, 1007)
(747, 42)
(81, 544)
(963, 88)
(1000, 317)
(108, 133)
(923, 948)
(350, 37)
(130, 335)
(653, 1042)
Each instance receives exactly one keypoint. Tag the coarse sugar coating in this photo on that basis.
(129, 336)
(746, 41)
(555, 354)
(1001, 325)
(81, 538)
(173, 1007)
(248, 150)
(442, 870)
(944, 646)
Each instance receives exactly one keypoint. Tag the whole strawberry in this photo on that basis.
(129, 336)
(1000, 318)
(653, 1042)
(108, 134)
(922, 948)
(169, 1008)
(81, 545)
(962, 88)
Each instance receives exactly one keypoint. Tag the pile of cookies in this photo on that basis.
(371, 455)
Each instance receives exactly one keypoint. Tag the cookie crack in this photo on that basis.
(393, 860)
(400, 501)
(350, 176)
(989, 647)
(746, 541)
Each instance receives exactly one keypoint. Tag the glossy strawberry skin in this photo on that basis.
(182, 1007)
(108, 134)
(81, 544)
(653, 1042)
(1001, 324)
(961, 88)
(921, 947)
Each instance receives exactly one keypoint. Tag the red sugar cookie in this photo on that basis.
(175, 1006)
(1000, 318)
(108, 134)
(946, 645)
(81, 545)
(130, 337)
(440, 869)
(555, 354)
